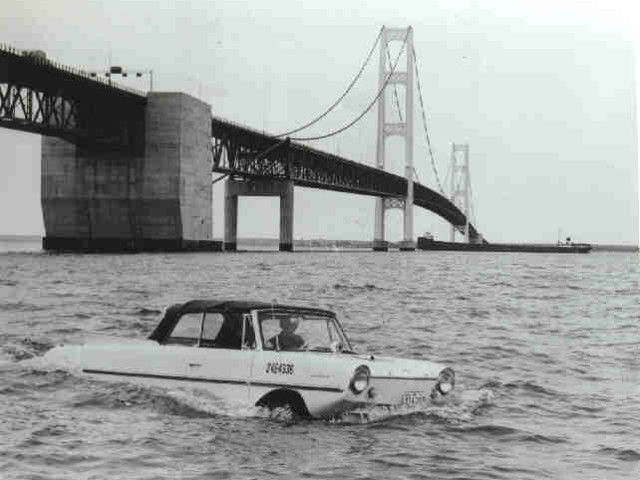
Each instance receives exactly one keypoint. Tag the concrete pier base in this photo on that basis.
(407, 246)
(380, 246)
(155, 199)
(235, 188)
(384, 204)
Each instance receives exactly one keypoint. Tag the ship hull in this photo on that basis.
(428, 244)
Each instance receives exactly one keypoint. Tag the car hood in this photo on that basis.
(401, 367)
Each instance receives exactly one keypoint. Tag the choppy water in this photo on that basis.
(546, 349)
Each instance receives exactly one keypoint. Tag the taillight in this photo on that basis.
(360, 380)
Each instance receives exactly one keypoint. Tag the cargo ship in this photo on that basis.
(427, 242)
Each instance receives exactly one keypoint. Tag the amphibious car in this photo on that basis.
(264, 354)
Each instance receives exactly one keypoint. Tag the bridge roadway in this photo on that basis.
(240, 150)
(41, 96)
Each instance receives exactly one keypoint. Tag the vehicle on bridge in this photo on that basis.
(277, 356)
(35, 55)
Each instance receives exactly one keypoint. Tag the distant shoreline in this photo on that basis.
(20, 238)
(326, 244)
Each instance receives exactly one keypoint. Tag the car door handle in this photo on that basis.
(195, 364)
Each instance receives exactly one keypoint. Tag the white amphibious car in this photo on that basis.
(267, 355)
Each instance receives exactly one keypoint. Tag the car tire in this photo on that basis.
(285, 404)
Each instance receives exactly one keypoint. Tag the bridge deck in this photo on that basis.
(239, 150)
(42, 96)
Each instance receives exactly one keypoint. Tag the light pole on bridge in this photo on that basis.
(116, 70)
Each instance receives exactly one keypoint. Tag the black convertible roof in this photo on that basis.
(174, 312)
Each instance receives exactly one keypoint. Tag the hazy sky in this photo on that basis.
(544, 92)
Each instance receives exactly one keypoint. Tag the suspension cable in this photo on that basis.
(353, 122)
(447, 180)
(335, 104)
(424, 119)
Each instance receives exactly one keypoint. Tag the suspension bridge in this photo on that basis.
(127, 170)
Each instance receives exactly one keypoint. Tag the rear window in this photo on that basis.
(212, 330)
(187, 330)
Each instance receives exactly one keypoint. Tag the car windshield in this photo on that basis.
(301, 331)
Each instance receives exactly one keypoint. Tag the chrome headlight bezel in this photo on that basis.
(446, 381)
(360, 379)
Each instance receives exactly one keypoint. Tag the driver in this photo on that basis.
(287, 339)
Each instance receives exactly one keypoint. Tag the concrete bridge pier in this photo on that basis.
(379, 244)
(258, 188)
(155, 198)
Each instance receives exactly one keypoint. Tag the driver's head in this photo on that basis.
(289, 324)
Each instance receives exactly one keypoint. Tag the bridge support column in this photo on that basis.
(379, 244)
(259, 188)
(230, 217)
(155, 198)
(403, 128)
(461, 187)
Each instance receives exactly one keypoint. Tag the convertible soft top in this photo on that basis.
(174, 312)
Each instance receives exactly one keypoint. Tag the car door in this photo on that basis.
(274, 368)
(220, 362)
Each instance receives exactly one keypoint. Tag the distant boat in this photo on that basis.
(427, 242)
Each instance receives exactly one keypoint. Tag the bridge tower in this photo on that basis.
(403, 129)
(461, 185)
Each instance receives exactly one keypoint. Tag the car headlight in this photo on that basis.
(360, 380)
(446, 381)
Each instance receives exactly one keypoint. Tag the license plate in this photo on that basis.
(412, 398)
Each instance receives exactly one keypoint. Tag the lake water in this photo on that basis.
(546, 348)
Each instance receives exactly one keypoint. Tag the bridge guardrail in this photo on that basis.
(6, 48)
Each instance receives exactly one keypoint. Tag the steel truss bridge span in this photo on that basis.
(41, 96)
(241, 151)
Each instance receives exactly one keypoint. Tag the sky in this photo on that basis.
(544, 92)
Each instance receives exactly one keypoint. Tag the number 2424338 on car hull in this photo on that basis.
(261, 354)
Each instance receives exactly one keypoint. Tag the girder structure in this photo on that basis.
(22, 108)
(239, 151)
(41, 96)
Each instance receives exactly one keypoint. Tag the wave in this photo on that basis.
(531, 387)
(182, 402)
(501, 284)
(20, 307)
(114, 396)
(556, 297)
(365, 287)
(144, 311)
(27, 348)
(459, 408)
(513, 434)
(625, 454)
